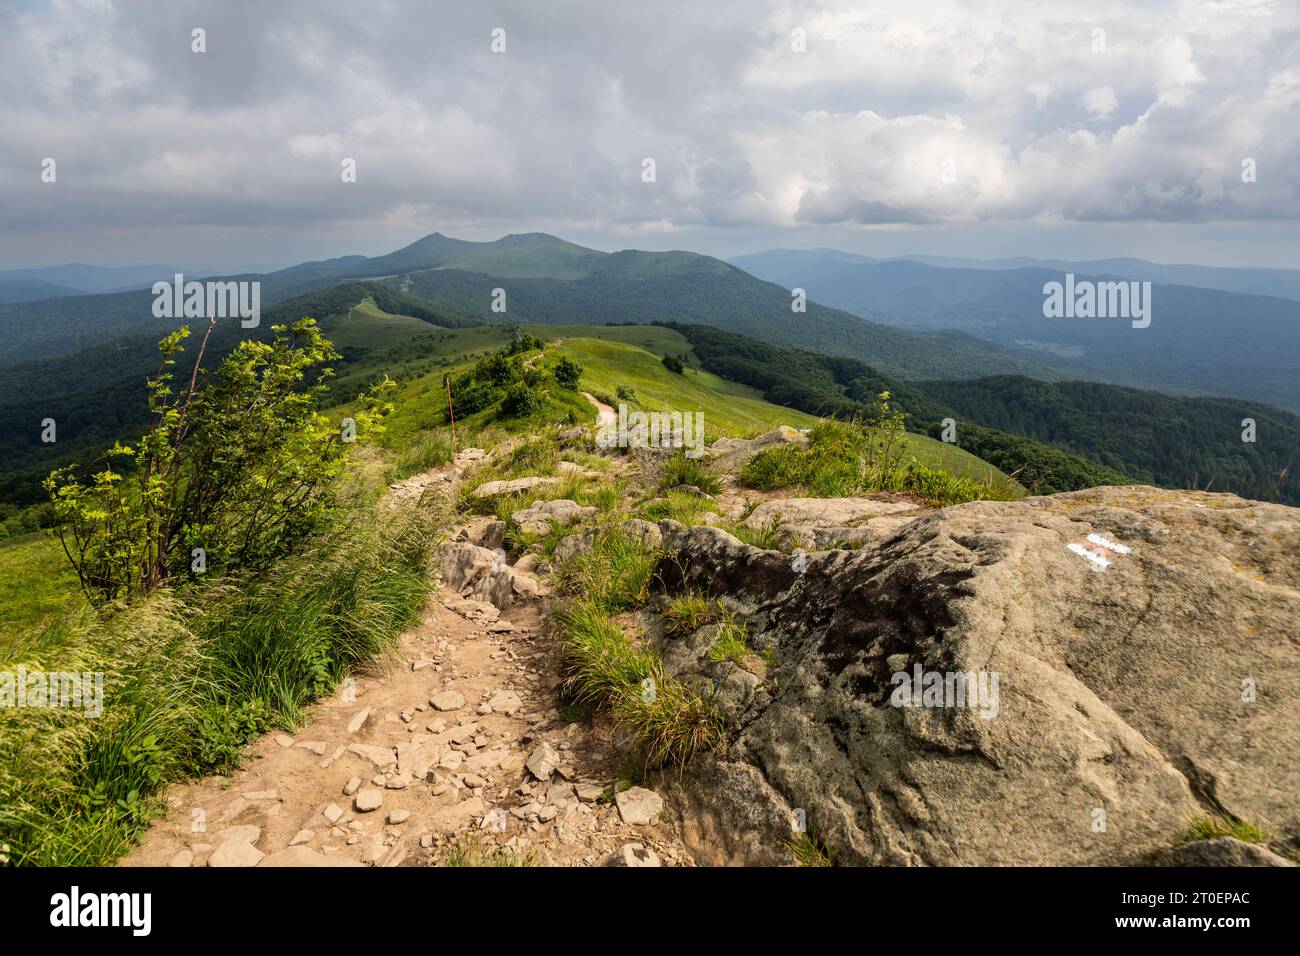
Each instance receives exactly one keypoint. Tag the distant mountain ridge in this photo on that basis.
(1201, 340)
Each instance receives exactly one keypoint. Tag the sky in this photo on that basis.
(949, 127)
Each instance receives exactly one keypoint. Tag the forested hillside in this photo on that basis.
(1063, 435)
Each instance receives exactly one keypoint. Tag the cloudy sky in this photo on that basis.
(1085, 128)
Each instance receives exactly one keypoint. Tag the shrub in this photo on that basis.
(567, 373)
(520, 401)
(241, 467)
(673, 364)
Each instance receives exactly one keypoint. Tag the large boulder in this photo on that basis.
(483, 575)
(820, 523)
(729, 454)
(490, 489)
(1131, 659)
(538, 517)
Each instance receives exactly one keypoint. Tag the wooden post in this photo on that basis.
(451, 412)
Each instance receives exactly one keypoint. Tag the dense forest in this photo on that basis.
(1151, 437)
(845, 387)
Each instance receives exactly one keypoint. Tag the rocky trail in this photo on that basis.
(1103, 669)
(456, 750)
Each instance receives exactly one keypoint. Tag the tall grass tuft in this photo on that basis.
(190, 678)
(429, 449)
(604, 670)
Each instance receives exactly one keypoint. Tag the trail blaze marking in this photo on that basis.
(1099, 551)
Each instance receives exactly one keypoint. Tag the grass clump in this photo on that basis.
(1210, 827)
(732, 640)
(427, 450)
(678, 506)
(602, 668)
(688, 613)
(614, 575)
(681, 470)
(810, 851)
(768, 536)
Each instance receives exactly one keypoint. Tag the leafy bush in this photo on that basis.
(673, 364)
(241, 467)
(567, 373)
(520, 401)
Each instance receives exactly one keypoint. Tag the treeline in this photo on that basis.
(1154, 438)
(845, 387)
(95, 396)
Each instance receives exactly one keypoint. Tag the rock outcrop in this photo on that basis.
(1058, 680)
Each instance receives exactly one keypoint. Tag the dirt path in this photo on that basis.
(606, 417)
(413, 761)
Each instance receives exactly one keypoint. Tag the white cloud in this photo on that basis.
(944, 113)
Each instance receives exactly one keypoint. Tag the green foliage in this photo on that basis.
(732, 640)
(614, 575)
(630, 684)
(241, 466)
(768, 536)
(429, 449)
(687, 613)
(808, 850)
(567, 373)
(188, 683)
(520, 401)
(847, 458)
(673, 364)
(1210, 827)
(681, 470)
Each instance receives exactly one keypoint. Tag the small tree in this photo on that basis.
(885, 434)
(673, 364)
(240, 466)
(567, 373)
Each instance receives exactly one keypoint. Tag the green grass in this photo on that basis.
(682, 506)
(768, 537)
(614, 575)
(671, 722)
(732, 640)
(426, 451)
(832, 466)
(190, 678)
(689, 612)
(809, 851)
(1210, 827)
(728, 408)
(680, 470)
(38, 584)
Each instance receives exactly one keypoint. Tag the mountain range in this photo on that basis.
(81, 359)
(1201, 340)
